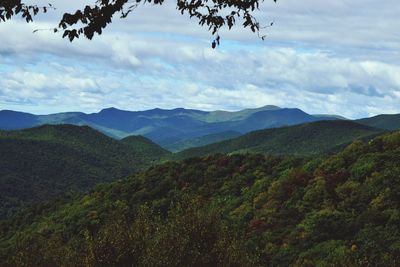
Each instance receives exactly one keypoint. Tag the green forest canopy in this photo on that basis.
(44, 162)
(239, 210)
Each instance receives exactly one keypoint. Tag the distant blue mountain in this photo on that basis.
(166, 127)
(10, 120)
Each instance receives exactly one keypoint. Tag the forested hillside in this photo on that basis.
(238, 210)
(384, 121)
(201, 141)
(41, 163)
(145, 147)
(302, 140)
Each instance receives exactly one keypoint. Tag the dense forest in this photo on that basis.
(225, 210)
(41, 163)
(302, 140)
(384, 121)
(153, 147)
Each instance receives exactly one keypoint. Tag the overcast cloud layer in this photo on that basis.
(338, 57)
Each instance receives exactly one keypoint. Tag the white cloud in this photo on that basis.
(324, 57)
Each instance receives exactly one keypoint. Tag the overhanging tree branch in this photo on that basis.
(91, 20)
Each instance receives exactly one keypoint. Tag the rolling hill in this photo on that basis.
(305, 139)
(41, 163)
(388, 122)
(238, 210)
(166, 127)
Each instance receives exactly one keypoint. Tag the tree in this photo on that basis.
(91, 20)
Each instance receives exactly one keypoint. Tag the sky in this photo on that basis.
(324, 57)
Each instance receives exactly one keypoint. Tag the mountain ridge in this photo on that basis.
(384, 121)
(165, 126)
(302, 140)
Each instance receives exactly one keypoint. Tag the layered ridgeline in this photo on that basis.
(385, 121)
(238, 210)
(301, 140)
(180, 129)
(167, 127)
(41, 163)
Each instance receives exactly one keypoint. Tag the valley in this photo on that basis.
(301, 191)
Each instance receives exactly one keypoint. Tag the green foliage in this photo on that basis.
(220, 210)
(388, 122)
(201, 141)
(145, 147)
(42, 163)
(301, 140)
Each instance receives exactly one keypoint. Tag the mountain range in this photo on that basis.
(299, 190)
(179, 129)
(41, 162)
(172, 129)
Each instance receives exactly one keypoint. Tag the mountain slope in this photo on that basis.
(201, 141)
(41, 163)
(304, 139)
(238, 210)
(146, 147)
(221, 115)
(388, 122)
(272, 119)
(10, 120)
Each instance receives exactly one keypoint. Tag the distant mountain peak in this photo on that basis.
(329, 117)
(13, 112)
(110, 109)
(114, 109)
(270, 107)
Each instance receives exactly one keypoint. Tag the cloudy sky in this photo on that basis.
(338, 57)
